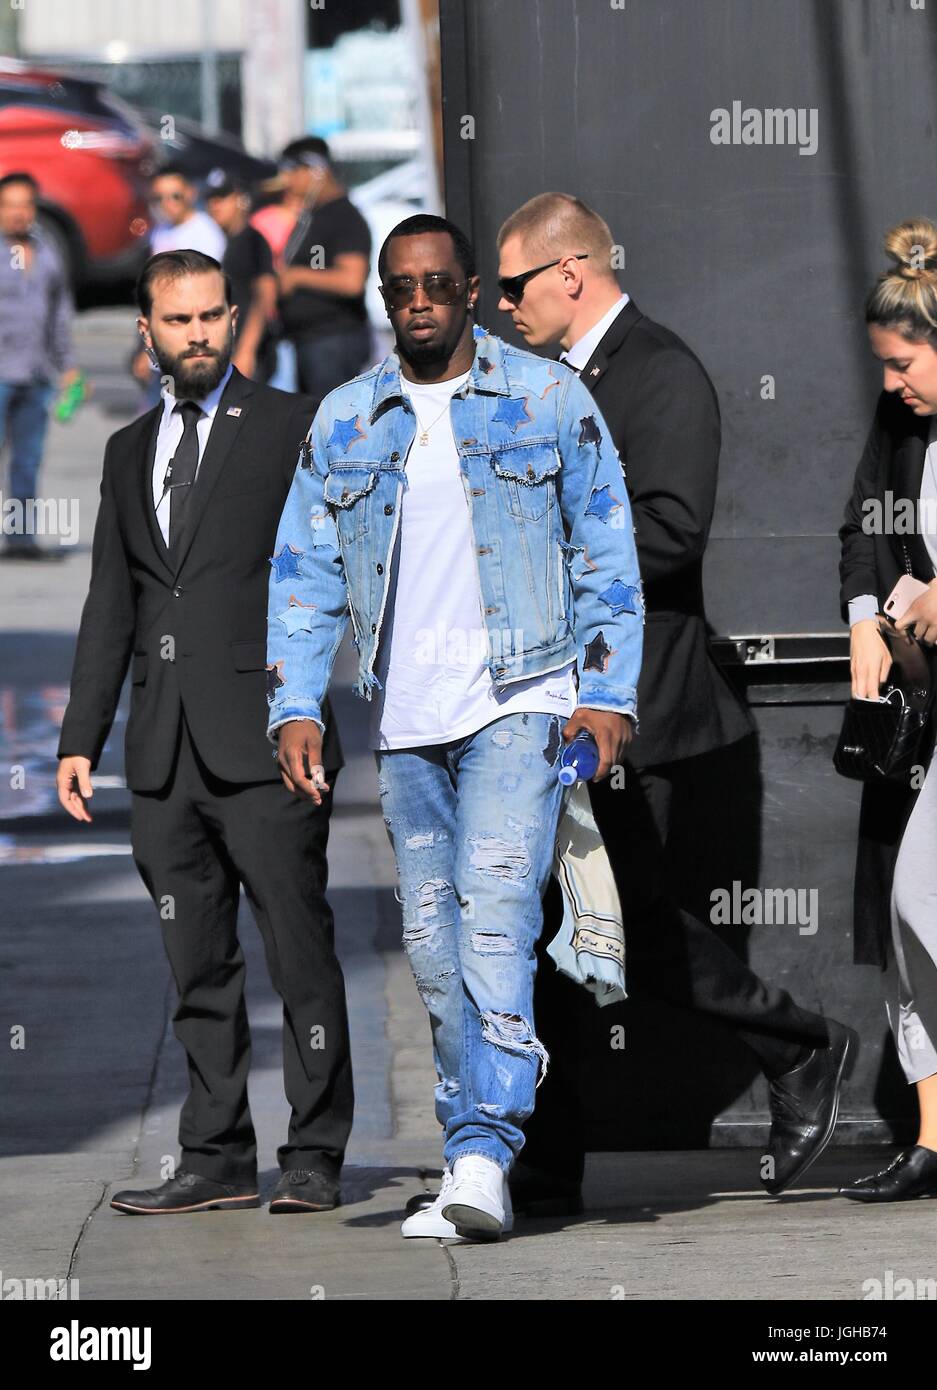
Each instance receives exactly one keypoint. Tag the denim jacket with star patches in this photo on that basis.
(551, 522)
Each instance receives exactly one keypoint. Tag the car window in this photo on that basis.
(71, 97)
(18, 94)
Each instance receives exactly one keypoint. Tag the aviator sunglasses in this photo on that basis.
(440, 289)
(513, 286)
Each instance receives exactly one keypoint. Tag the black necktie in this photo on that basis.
(566, 363)
(183, 466)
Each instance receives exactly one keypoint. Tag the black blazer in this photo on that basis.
(663, 414)
(195, 629)
(871, 563)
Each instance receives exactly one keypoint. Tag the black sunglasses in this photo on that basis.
(440, 289)
(513, 286)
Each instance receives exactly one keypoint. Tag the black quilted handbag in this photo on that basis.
(882, 738)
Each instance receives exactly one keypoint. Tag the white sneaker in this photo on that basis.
(430, 1222)
(476, 1203)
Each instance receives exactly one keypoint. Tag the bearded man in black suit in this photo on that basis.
(191, 497)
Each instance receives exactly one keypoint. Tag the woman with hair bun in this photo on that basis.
(896, 864)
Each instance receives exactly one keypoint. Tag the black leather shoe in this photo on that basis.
(912, 1174)
(187, 1192)
(804, 1104)
(303, 1189)
(536, 1193)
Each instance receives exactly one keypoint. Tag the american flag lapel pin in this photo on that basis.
(234, 410)
(595, 371)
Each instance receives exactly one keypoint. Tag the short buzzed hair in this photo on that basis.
(557, 224)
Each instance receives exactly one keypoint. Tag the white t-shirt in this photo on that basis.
(199, 233)
(433, 648)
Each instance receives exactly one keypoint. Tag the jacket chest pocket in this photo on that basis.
(527, 478)
(348, 497)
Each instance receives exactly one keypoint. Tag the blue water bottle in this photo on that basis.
(579, 759)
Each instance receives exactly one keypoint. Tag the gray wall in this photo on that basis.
(760, 257)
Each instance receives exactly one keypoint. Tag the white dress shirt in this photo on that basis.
(578, 355)
(167, 441)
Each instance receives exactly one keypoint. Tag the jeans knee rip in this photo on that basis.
(493, 855)
(493, 943)
(421, 840)
(512, 1033)
(429, 986)
(427, 914)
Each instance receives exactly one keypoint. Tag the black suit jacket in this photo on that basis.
(872, 562)
(663, 414)
(193, 628)
(893, 461)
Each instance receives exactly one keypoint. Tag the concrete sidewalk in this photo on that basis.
(90, 1103)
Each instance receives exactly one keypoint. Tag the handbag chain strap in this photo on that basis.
(907, 559)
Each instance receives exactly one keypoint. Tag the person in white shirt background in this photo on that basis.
(179, 226)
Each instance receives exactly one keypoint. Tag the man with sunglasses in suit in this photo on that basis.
(559, 286)
(433, 508)
(190, 499)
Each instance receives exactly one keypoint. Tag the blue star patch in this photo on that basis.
(286, 563)
(588, 564)
(346, 432)
(620, 597)
(297, 617)
(512, 413)
(602, 503)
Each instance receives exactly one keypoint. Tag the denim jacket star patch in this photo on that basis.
(551, 526)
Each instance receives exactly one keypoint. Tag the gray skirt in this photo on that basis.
(912, 962)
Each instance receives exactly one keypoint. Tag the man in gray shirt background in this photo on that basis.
(36, 357)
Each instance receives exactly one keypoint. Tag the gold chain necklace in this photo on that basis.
(423, 436)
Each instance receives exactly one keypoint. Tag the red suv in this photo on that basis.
(91, 157)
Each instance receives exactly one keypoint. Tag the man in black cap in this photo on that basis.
(324, 273)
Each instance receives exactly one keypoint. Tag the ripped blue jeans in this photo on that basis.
(473, 825)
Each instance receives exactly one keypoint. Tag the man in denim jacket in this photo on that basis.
(464, 503)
